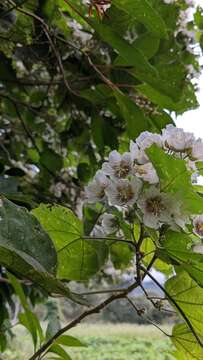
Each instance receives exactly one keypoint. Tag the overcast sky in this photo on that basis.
(193, 120)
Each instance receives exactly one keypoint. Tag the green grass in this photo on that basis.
(106, 342)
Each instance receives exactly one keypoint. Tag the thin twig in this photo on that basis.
(56, 52)
(14, 7)
(101, 292)
(82, 316)
(89, 312)
(140, 312)
(176, 305)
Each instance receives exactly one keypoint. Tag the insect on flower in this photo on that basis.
(100, 7)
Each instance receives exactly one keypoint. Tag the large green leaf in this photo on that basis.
(176, 179)
(26, 267)
(147, 43)
(189, 297)
(187, 100)
(23, 245)
(175, 249)
(20, 230)
(186, 344)
(142, 11)
(132, 55)
(78, 258)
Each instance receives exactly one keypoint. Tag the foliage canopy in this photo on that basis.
(79, 79)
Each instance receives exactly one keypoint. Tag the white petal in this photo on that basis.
(197, 150)
(177, 139)
(101, 178)
(147, 173)
(109, 223)
(114, 158)
(146, 139)
(107, 168)
(134, 150)
(151, 221)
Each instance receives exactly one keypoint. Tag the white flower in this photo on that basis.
(118, 165)
(124, 192)
(156, 208)
(98, 232)
(198, 248)
(109, 223)
(137, 155)
(146, 172)
(176, 139)
(197, 150)
(198, 225)
(144, 140)
(95, 191)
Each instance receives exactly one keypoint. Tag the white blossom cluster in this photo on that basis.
(188, 2)
(130, 180)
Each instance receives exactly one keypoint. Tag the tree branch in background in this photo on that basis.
(94, 310)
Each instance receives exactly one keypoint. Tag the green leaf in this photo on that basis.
(55, 16)
(176, 249)
(186, 101)
(142, 11)
(98, 95)
(147, 43)
(78, 258)
(103, 134)
(186, 344)
(53, 319)
(68, 340)
(132, 56)
(20, 230)
(121, 255)
(198, 16)
(57, 349)
(84, 172)
(136, 121)
(176, 182)
(148, 249)
(28, 318)
(189, 297)
(51, 160)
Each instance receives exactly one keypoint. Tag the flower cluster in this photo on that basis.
(130, 180)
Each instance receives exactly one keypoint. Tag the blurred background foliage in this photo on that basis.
(72, 87)
(76, 82)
